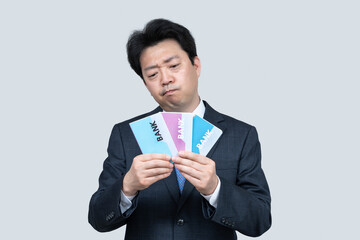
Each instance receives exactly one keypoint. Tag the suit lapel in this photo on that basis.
(188, 188)
(172, 186)
(216, 119)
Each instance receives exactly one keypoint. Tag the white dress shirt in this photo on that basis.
(126, 203)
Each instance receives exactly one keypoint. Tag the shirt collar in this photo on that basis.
(200, 109)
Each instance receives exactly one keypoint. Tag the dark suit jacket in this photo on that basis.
(160, 212)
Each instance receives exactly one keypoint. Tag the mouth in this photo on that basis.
(169, 91)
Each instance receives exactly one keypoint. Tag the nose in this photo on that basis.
(166, 77)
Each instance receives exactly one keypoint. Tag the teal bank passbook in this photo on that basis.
(205, 135)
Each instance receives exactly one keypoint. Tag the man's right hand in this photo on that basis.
(145, 170)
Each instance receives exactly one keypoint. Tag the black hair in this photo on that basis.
(154, 32)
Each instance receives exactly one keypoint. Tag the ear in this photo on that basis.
(197, 65)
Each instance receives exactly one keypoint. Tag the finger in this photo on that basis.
(194, 156)
(189, 171)
(203, 187)
(188, 163)
(194, 181)
(153, 179)
(156, 172)
(157, 164)
(151, 156)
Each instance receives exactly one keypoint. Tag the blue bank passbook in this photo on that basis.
(153, 136)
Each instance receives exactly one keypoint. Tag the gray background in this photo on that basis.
(290, 68)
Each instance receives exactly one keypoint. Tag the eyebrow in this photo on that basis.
(165, 61)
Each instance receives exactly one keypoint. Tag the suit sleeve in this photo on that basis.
(104, 211)
(244, 206)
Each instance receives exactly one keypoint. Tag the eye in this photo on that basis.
(175, 65)
(152, 75)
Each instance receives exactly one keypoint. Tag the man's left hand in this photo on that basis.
(199, 170)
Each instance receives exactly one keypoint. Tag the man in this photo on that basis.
(223, 192)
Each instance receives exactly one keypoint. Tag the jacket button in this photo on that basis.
(180, 222)
(223, 220)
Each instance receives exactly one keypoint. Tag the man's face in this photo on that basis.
(170, 77)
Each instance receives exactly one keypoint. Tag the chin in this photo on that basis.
(170, 107)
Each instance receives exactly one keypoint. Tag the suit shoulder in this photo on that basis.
(232, 122)
(237, 126)
(235, 122)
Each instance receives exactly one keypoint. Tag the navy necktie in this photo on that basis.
(180, 179)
